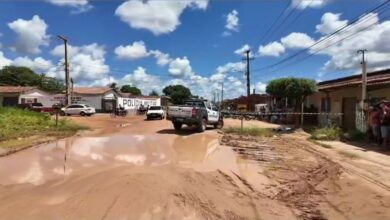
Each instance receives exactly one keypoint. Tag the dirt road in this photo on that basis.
(135, 169)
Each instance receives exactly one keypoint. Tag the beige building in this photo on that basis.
(344, 95)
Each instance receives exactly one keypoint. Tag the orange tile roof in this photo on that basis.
(16, 89)
(91, 90)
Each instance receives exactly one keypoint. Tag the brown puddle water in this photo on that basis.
(63, 158)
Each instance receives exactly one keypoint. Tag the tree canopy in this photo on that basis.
(131, 89)
(153, 93)
(178, 93)
(23, 76)
(295, 88)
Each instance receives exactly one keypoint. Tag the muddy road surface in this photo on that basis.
(128, 168)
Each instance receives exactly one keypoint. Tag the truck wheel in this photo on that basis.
(177, 126)
(202, 125)
(82, 113)
(62, 113)
(219, 125)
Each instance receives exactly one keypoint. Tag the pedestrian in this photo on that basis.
(374, 124)
(385, 123)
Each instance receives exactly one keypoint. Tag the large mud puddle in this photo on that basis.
(63, 158)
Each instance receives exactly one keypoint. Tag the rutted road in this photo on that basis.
(135, 169)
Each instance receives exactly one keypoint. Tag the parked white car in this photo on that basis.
(155, 112)
(78, 109)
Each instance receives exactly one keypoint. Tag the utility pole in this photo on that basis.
(221, 95)
(364, 87)
(66, 68)
(364, 76)
(72, 89)
(248, 81)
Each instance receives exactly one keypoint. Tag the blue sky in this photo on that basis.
(155, 43)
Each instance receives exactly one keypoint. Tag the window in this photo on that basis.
(155, 108)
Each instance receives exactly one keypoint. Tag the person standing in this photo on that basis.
(385, 123)
(374, 123)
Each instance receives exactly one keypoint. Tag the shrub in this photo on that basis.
(327, 134)
(355, 135)
(250, 131)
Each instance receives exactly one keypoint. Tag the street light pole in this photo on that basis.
(66, 69)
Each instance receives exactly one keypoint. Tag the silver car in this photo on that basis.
(78, 109)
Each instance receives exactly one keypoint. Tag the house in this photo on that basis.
(11, 95)
(243, 101)
(343, 95)
(103, 99)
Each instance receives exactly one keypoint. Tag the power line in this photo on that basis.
(317, 51)
(384, 4)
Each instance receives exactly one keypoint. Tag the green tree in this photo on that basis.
(153, 93)
(178, 93)
(292, 88)
(131, 89)
(23, 76)
(113, 86)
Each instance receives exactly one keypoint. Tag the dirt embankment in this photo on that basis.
(312, 185)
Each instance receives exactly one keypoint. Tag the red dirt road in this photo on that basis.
(128, 168)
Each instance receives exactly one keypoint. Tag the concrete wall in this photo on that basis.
(134, 103)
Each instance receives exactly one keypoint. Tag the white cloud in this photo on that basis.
(260, 87)
(79, 6)
(31, 34)
(180, 67)
(3, 60)
(159, 17)
(368, 33)
(274, 49)
(86, 63)
(232, 21)
(142, 80)
(297, 40)
(162, 58)
(241, 51)
(302, 4)
(38, 64)
(134, 51)
(231, 67)
(330, 23)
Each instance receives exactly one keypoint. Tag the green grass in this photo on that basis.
(251, 131)
(18, 123)
(327, 134)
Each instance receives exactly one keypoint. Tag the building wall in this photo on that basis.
(336, 102)
(134, 103)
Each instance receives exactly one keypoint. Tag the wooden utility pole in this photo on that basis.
(66, 69)
(364, 77)
(248, 81)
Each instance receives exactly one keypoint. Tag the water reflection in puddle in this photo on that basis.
(61, 159)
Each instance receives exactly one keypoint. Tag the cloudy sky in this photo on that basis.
(198, 43)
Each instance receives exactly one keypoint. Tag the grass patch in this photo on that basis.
(355, 135)
(327, 134)
(19, 123)
(250, 131)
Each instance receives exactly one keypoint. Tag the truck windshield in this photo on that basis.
(195, 103)
(155, 108)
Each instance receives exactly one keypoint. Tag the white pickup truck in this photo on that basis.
(199, 113)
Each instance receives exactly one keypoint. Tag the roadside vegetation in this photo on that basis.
(250, 131)
(332, 133)
(19, 123)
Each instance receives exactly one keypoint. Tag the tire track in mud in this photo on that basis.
(299, 191)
